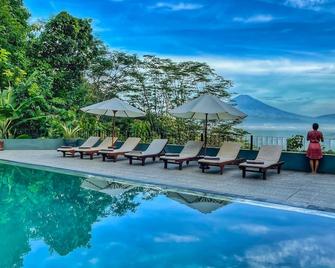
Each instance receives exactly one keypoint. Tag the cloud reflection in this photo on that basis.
(174, 238)
(314, 251)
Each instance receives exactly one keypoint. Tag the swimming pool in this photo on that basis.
(55, 220)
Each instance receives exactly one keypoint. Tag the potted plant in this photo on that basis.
(2, 145)
(3, 132)
(70, 135)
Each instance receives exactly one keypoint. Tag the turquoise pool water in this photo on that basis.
(54, 220)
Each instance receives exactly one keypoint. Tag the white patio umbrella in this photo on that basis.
(207, 107)
(113, 189)
(113, 107)
(202, 204)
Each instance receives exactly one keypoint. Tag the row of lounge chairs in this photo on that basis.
(268, 157)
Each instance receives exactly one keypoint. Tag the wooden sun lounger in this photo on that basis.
(189, 153)
(70, 151)
(108, 142)
(227, 155)
(128, 146)
(268, 158)
(155, 149)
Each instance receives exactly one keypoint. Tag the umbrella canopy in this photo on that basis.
(113, 189)
(113, 107)
(208, 107)
(202, 204)
(116, 189)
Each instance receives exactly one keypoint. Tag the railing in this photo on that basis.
(256, 142)
(252, 142)
(99, 133)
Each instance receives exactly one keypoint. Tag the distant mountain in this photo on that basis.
(326, 118)
(259, 112)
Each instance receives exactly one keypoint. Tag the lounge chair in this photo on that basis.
(227, 155)
(155, 149)
(128, 146)
(189, 153)
(268, 158)
(108, 142)
(69, 150)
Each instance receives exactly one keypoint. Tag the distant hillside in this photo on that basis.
(328, 118)
(259, 112)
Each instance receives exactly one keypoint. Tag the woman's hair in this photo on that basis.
(315, 126)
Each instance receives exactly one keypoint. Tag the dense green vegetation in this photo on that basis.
(48, 71)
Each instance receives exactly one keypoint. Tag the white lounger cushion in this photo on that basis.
(129, 145)
(190, 150)
(107, 142)
(228, 152)
(90, 142)
(155, 148)
(268, 154)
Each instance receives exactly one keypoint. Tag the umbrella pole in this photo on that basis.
(113, 132)
(206, 122)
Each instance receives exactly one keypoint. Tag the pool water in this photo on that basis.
(56, 220)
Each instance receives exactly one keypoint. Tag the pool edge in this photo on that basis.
(264, 202)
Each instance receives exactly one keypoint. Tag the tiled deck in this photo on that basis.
(289, 188)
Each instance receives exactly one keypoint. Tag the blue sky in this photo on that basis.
(279, 51)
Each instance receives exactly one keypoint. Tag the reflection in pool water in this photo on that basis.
(55, 220)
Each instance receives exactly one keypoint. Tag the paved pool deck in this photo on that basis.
(296, 189)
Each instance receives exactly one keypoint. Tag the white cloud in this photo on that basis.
(168, 238)
(315, 5)
(251, 229)
(99, 29)
(33, 20)
(261, 18)
(96, 25)
(93, 261)
(305, 3)
(309, 252)
(271, 66)
(261, 67)
(177, 6)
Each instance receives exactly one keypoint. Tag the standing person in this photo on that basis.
(314, 152)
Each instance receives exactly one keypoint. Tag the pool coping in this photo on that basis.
(264, 202)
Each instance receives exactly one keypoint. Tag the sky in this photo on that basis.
(279, 51)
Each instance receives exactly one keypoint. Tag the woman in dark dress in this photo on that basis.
(314, 152)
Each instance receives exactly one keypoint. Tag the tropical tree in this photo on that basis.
(109, 73)
(66, 47)
(14, 29)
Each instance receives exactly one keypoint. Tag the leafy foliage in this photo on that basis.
(11, 113)
(56, 67)
(69, 132)
(295, 143)
(65, 47)
(13, 33)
